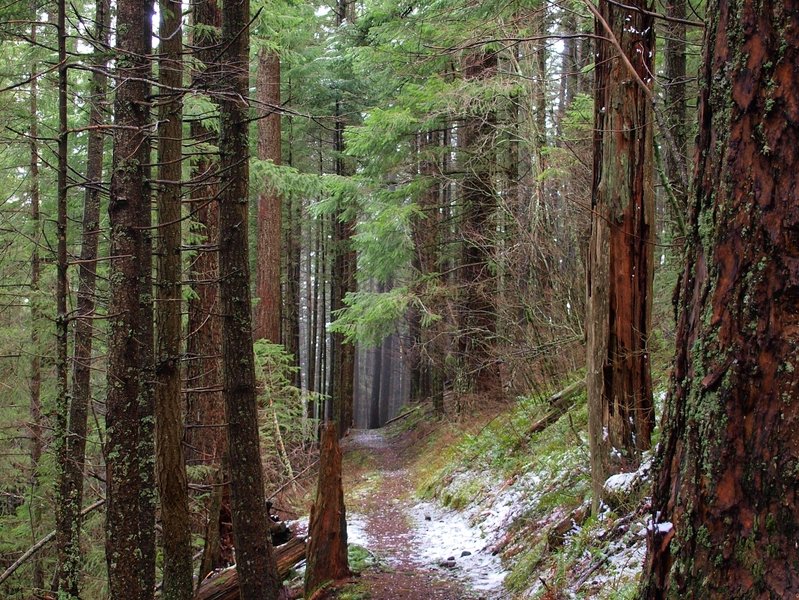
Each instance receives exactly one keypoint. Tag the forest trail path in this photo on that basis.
(381, 517)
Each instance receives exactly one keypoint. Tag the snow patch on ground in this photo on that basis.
(620, 483)
(356, 530)
(442, 535)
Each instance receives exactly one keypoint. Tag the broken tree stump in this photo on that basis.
(225, 585)
(327, 549)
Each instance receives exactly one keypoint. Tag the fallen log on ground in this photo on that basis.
(559, 403)
(225, 585)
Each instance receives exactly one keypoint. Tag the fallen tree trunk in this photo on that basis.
(559, 404)
(225, 586)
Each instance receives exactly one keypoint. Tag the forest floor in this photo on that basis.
(413, 550)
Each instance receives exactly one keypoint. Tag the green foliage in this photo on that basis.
(288, 182)
(462, 494)
(286, 425)
(357, 591)
(200, 108)
(359, 558)
(579, 119)
(518, 580)
(370, 317)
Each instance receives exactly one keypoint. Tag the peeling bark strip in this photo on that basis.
(256, 563)
(620, 253)
(727, 470)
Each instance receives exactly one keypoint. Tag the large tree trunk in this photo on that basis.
(620, 253)
(267, 325)
(256, 563)
(674, 96)
(206, 439)
(146, 335)
(477, 310)
(71, 473)
(726, 513)
(128, 210)
(171, 466)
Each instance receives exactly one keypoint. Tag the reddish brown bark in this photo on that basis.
(267, 322)
(620, 253)
(327, 550)
(205, 432)
(171, 467)
(205, 437)
(726, 501)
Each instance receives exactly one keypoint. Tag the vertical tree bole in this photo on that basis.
(620, 254)
(255, 559)
(726, 502)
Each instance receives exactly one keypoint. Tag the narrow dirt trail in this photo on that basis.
(382, 519)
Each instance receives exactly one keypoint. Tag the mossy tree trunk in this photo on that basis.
(620, 254)
(128, 421)
(255, 560)
(726, 512)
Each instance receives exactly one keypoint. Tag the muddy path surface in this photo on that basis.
(421, 551)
